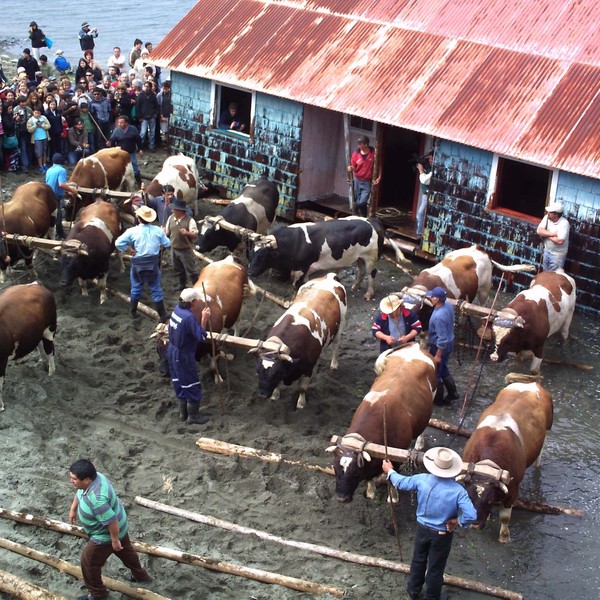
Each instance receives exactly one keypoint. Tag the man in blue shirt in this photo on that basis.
(439, 500)
(441, 342)
(147, 240)
(56, 178)
(184, 334)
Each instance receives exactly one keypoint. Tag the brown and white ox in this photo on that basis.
(465, 274)
(181, 172)
(404, 389)
(511, 434)
(315, 320)
(535, 314)
(30, 212)
(109, 168)
(97, 227)
(27, 321)
(224, 285)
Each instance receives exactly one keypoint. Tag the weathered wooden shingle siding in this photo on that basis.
(457, 216)
(230, 160)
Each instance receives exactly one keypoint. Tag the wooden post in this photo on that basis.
(184, 557)
(65, 567)
(23, 590)
(323, 550)
(219, 447)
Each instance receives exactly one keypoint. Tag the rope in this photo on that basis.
(252, 322)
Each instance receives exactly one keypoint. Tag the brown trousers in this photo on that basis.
(94, 557)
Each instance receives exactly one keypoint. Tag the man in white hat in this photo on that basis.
(184, 334)
(439, 500)
(147, 241)
(397, 323)
(554, 229)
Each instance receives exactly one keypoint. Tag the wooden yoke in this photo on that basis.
(402, 456)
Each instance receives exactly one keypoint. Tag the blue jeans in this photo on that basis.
(553, 262)
(430, 554)
(149, 126)
(134, 164)
(24, 146)
(442, 368)
(362, 195)
(421, 207)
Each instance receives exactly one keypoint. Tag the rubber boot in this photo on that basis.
(138, 179)
(193, 417)
(134, 305)
(439, 395)
(160, 309)
(451, 387)
(183, 411)
(182, 282)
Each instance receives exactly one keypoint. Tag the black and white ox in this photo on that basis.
(534, 315)
(254, 210)
(308, 248)
(510, 434)
(27, 321)
(315, 320)
(404, 389)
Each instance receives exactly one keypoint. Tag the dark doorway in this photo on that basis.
(399, 175)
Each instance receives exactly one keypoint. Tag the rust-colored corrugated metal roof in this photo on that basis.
(520, 79)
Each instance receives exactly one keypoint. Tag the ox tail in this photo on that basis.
(515, 268)
(522, 378)
(385, 240)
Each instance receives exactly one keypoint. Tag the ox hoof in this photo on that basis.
(368, 296)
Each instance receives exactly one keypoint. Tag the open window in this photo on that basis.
(233, 109)
(521, 188)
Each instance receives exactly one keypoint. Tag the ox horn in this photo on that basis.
(503, 487)
(330, 449)
(366, 455)
(460, 477)
(268, 240)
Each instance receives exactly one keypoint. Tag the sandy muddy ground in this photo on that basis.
(107, 402)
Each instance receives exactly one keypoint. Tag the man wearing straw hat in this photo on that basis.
(439, 500)
(397, 324)
(147, 240)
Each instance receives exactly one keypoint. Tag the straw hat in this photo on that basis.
(389, 304)
(442, 462)
(146, 214)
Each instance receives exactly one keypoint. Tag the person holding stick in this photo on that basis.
(104, 519)
(439, 501)
(184, 334)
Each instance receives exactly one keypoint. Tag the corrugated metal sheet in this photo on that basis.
(520, 79)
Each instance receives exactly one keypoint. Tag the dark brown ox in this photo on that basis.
(465, 274)
(30, 212)
(510, 433)
(405, 386)
(534, 315)
(97, 227)
(315, 320)
(109, 168)
(224, 285)
(27, 321)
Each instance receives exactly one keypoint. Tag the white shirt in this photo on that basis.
(561, 230)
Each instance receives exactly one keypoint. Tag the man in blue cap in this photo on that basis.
(441, 341)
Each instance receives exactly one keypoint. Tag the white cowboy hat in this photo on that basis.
(555, 207)
(389, 304)
(189, 294)
(145, 213)
(443, 462)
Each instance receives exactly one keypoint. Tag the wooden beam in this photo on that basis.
(323, 550)
(23, 590)
(46, 244)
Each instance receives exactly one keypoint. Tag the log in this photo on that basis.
(65, 567)
(450, 427)
(146, 310)
(323, 550)
(23, 590)
(397, 264)
(220, 447)
(218, 201)
(548, 509)
(214, 564)
(185, 557)
(268, 295)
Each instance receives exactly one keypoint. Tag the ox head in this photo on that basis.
(272, 367)
(71, 262)
(351, 467)
(264, 255)
(509, 330)
(484, 491)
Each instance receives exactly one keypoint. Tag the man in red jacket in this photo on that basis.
(361, 165)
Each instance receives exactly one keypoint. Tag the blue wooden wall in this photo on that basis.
(232, 160)
(457, 216)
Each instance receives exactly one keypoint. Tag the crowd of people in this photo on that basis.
(49, 109)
